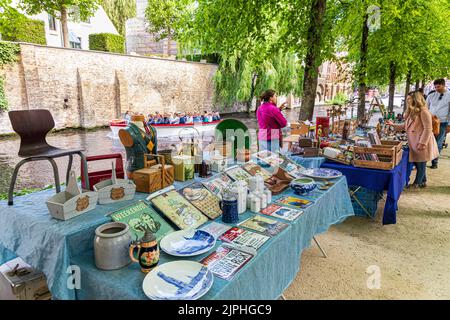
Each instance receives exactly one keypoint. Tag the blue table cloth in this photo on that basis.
(52, 246)
(392, 181)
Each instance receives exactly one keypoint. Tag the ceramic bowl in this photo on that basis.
(303, 185)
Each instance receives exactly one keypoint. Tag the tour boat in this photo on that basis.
(165, 130)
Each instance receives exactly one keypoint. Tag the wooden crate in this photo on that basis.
(387, 155)
(398, 146)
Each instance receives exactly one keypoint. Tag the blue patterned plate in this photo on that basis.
(322, 173)
(178, 280)
(187, 243)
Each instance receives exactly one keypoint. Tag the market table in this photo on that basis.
(392, 181)
(52, 246)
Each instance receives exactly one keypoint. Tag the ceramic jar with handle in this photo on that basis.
(229, 207)
(111, 244)
(147, 252)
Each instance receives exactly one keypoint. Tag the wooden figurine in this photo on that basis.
(115, 190)
(71, 202)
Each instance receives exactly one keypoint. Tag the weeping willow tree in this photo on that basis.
(240, 79)
(119, 11)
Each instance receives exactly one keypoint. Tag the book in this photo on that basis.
(244, 238)
(139, 216)
(202, 199)
(179, 210)
(225, 262)
(294, 202)
(216, 229)
(256, 170)
(279, 160)
(292, 168)
(264, 225)
(237, 173)
(218, 183)
(281, 212)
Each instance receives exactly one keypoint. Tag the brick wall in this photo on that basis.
(100, 86)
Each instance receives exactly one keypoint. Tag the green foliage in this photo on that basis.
(119, 11)
(24, 191)
(15, 26)
(107, 42)
(166, 17)
(8, 54)
(340, 99)
(78, 9)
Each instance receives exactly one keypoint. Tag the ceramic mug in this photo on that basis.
(147, 255)
(229, 209)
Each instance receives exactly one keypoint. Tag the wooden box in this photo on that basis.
(31, 285)
(243, 155)
(115, 190)
(183, 167)
(154, 178)
(71, 202)
(387, 155)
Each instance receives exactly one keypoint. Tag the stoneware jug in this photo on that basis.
(111, 244)
(229, 207)
(147, 252)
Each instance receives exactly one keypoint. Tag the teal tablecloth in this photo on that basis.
(28, 231)
(309, 162)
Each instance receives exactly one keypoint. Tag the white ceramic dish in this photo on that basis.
(187, 243)
(322, 173)
(178, 280)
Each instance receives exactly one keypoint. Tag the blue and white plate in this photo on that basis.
(322, 173)
(187, 243)
(178, 280)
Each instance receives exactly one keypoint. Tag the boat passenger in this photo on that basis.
(127, 116)
(183, 118)
(166, 119)
(174, 119)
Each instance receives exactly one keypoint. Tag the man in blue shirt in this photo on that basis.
(439, 104)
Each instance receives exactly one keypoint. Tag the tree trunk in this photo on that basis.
(407, 88)
(417, 86)
(64, 27)
(392, 75)
(312, 61)
(252, 94)
(363, 70)
(423, 84)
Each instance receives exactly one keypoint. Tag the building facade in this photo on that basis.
(78, 31)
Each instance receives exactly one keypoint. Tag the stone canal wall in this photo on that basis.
(86, 88)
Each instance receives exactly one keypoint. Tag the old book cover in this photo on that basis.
(256, 170)
(139, 216)
(264, 225)
(225, 262)
(182, 213)
(237, 173)
(202, 199)
(218, 183)
(295, 202)
(244, 237)
(281, 212)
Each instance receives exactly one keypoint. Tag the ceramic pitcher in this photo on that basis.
(147, 252)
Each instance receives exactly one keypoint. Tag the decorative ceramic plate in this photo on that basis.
(187, 243)
(322, 173)
(178, 280)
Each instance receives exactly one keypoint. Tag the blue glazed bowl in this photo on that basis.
(303, 185)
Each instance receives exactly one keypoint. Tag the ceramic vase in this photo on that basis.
(111, 244)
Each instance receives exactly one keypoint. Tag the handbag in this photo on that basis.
(436, 123)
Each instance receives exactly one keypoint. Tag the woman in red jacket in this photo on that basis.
(270, 121)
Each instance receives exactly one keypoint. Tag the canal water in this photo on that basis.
(40, 174)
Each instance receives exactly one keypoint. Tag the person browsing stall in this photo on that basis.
(419, 130)
(270, 122)
(439, 103)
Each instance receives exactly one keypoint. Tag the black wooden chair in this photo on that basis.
(32, 126)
